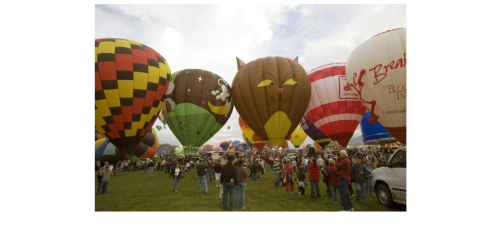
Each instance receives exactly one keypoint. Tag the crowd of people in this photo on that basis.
(339, 170)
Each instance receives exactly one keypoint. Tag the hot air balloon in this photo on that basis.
(334, 108)
(253, 138)
(245, 139)
(376, 72)
(106, 151)
(243, 147)
(198, 107)
(158, 127)
(314, 133)
(179, 149)
(235, 143)
(317, 147)
(298, 136)
(374, 134)
(130, 85)
(230, 142)
(271, 95)
(228, 127)
(388, 145)
(208, 147)
(148, 146)
(224, 145)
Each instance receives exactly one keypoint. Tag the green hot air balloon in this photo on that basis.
(197, 105)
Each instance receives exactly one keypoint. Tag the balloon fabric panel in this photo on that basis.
(314, 133)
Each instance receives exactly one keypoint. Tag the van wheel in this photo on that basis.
(384, 196)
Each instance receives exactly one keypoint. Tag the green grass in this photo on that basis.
(131, 191)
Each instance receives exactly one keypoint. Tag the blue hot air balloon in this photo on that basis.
(374, 134)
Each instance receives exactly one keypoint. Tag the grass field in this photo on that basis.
(131, 191)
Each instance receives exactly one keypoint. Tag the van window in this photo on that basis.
(399, 159)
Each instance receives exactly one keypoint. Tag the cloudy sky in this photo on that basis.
(211, 36)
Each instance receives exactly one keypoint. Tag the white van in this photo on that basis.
(390, 182)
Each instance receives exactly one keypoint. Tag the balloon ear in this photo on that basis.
(296, 60)
(239, 63)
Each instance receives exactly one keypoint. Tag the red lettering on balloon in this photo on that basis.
(376, 69)
(379, 76)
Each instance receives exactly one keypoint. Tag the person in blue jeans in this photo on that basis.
(175, 174)
(369, 188)
(229, 179)
(201, 170)
(277, 172)
(343, 166)
(242, 184)
(334, 179)
(106, 174)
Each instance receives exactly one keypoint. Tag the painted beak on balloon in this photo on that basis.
(280, 89)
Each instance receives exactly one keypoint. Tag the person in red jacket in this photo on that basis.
(334, 179)
(344, 173)
(314, 177)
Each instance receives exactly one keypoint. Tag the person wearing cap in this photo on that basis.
(240, 189)
(105, 175)
(344, 173)
(229, 179)
(277, 172)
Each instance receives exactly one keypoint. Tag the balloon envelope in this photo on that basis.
(271, 95)
(374, 134)
(376, 72)
(199, 104)
(131, 80)
(314, 133)
(298, 136)
(253, 138)
(333, 108)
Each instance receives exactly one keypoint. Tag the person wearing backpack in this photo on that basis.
(289, 175)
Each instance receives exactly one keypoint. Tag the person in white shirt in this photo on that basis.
(175, 174)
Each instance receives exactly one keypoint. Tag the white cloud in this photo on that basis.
(211, 36)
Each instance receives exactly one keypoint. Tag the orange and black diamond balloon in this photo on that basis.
(131, 80)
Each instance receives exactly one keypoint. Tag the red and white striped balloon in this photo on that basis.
(333, 107)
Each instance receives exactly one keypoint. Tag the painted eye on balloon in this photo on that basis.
(291, 82)
(266, 83)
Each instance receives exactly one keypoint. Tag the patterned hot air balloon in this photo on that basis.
(271, 95)
(334, 108)
(131, 80)
(376, 72)
(314, 133)
(298, 136)
(197, 107)
(253, 138)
